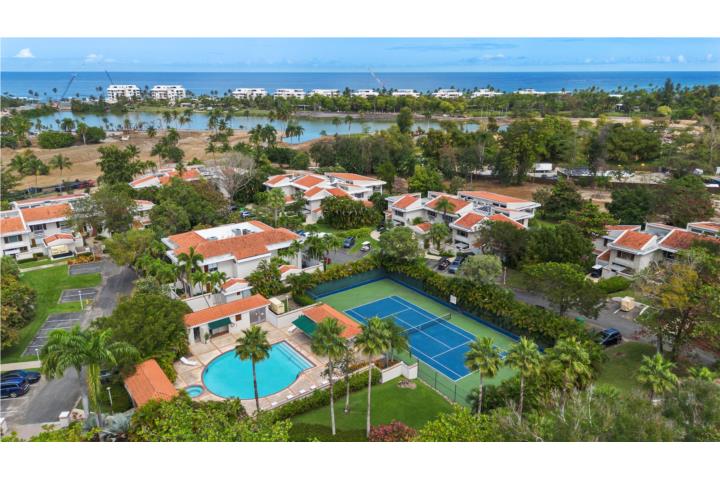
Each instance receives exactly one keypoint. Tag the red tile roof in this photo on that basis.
(610, 228)
(352, 176)
(311, 192)
(276, 179)
(149, 382)
(287, 268)
(405, 201)
(230, 309)
(187, 239)
(308, 181)
(455, 202)
(713, 226)
(234, 281)
(499, 217)
(682, 239)
(496, 197)
(425, 226)
(11, 225)
(604, 256)
(38, 214)
(57, 236)
(320, 312)
(338, 192)
(469, 220)
(633, 240)
(244, 246)
(54, 198)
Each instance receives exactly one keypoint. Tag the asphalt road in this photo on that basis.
(77, 294)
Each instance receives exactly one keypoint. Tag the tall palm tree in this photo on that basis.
(190, 262)
(572, 361)
(397, 339)
(525, 358)
(655, 373)
(36, 167)
(345, 366)
(60, 162)
(216, 279)
(372, 341)
(84, 350)
(327, 341)
(253, 345)
(151, 131)
(484, 358)
(20, 162)
(444, 205)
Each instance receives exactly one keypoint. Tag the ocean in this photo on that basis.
(86, 83)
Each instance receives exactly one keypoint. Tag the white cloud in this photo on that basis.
(24, 53)
(681, 59)
(93, 58)
(709, 57)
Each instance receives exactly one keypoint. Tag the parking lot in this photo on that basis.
(95, 267)
(55, 321)
(77, 294)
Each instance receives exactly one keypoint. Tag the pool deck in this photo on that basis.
(204, 353)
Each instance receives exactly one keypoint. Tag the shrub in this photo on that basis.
(53, 139)
(82, 258)
(613, 284)
(94, 135)
(393, 432)
(321, 398)
(302, 299)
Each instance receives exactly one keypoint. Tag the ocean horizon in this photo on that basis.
(86, 83)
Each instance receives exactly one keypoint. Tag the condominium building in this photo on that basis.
(171, 93)
(325, 92)
(530, 91)
(114, 92)
(405, 92)
(448, 93)
(289, 93)
(249, 93)
(484, 92)
(365, 93)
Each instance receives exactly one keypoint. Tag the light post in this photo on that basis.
(37, 354)
(110, 397)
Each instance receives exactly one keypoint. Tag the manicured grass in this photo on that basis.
(623, 362)
(120, 398)
(49, 284)
(361, 235)
(413, 407)
(384, 288)
(40, 262)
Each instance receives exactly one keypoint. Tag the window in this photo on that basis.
(398, 213)
(461, 233)
(431, 214)
(212, 267)
(625, 255)
(37, 228)
(13, 239)
(668, 255)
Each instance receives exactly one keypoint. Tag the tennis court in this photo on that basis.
(438, 335)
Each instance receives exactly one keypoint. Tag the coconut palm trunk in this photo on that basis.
(83, 392)
(369, 396)
(332, 396)
(257, 397)
(522, 396)
(480, 394)
(347, 393)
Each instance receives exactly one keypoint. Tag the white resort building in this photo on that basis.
(484, 92)
(171, 93)
(114, 92)
(249, 93)
(313, 188)
(365, 93)
(325, 92)
(405, 92)
(289, 93)
(448, 93)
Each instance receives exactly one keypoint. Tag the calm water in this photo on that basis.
(314, 128)
(228, 376)
(18, 83)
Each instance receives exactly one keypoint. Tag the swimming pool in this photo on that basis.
(228, 376)
(194, 391)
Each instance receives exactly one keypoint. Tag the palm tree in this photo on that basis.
(484, 358)
(151, 131)
(216, 279)
(525, 358)
(88, 350)
(189, 262)
(82, 129)
(345, 366)
(327, 341)
(20, 162)
(60, 162)
(444, 205)
(372, 341)
(253, 345)
(655, 373)
(397, 338)
(36, 167)
(570, 359)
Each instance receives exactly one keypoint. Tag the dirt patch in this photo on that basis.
(84, 157)
(405, 383)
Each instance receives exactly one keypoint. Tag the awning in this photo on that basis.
(219, 323)
(306, 325)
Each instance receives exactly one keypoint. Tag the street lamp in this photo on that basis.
(37, 354)
(110, 397)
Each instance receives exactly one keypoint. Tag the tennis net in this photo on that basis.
(424, 326)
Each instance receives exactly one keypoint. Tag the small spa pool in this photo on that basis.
(228, 376)
(194, 391)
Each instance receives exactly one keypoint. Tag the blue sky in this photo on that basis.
(358, 54)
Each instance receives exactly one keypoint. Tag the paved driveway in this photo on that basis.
(77, 294)
(82, 268)
(54, 322)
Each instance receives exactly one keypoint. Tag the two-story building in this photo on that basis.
(163, 176)
(517, 209)
(235, 249)
(234, 317)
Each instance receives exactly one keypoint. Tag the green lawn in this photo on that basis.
(623, 362)
(48, 283)
(42, 261)
(361, 235)
(389, 402)
(385, 288)
(120, 399)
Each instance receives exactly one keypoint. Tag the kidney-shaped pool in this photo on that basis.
(228, 376)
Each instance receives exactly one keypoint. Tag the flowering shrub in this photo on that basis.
(392, 432)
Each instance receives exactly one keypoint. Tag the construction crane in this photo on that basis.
(109, 78)
(382, 85)
(72, 79)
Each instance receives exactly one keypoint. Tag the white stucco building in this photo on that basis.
(171, 93)
(289, 93)
(249, 93)
(114, 92)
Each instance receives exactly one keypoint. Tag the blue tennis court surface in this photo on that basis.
(432, 339)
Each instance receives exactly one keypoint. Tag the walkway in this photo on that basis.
(43, 267)
(20, 365)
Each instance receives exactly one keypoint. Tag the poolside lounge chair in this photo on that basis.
(324, 382)
(273, 404)
(292, 328)
(190, 363)
(302, 391)
(290, 396)
(313, 387)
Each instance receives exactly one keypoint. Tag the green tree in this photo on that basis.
(523, 145)
(425, 179)
(571, 362)
(685, 200)
(559, 201)
(345, 213)
(404, 120)
(110, 207)
(327, 341)
(266, 278)
(60, 162)
(438, 234)
(372, 341)
(564, 243)
(504, 239)
(169, 218)
(590, 220)
(632, 206)
(118, 166)
(386, 172)
(87, 351)
(127, 247)
(481, 269)
(459, 426)
(397, 339)
(524, 357)
(398, 245)
(483, 357)
(564, 285)
(655, 374)
(274, 202)
(253, 345)
(189, 262)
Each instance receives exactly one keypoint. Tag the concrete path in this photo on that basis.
(42, 267)
(20, 365)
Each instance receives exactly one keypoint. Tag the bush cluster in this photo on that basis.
(613, 284)
(53, 139)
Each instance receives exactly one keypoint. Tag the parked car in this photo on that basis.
(455, 265)
(349, 242)
(30, 376)
(106, 376)
(596, 271)
(365, 247)
(13, 387)
(381, 228)
(443, 264)
(609, 336)
(246, 214)
(302, 233)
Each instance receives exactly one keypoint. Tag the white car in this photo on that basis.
(365, 247)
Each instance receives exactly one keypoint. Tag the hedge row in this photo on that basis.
(321, 398)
